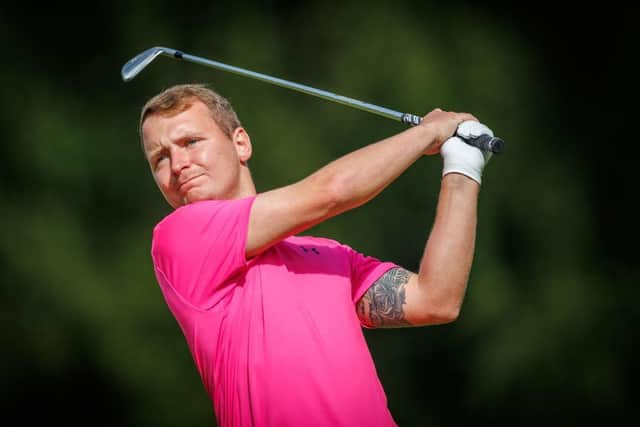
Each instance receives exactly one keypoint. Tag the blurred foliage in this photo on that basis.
(547, 328)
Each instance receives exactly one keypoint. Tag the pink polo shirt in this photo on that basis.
(275, 339)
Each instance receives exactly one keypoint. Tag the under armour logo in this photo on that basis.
(314, 250)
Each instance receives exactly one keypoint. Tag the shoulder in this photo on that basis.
(191, 212)
(200, 214)
(199, 223)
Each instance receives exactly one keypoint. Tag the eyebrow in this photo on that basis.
(182, 133)
(154, 152)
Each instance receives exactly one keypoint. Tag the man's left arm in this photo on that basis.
(434, 295)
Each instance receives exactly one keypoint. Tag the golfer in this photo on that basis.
(273, 318)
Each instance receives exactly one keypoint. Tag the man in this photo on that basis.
(273, 319)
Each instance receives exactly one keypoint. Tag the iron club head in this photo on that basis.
(140, 61)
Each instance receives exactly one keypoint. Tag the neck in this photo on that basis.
(246, 188)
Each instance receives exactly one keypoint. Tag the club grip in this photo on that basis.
(483, 142)
(486, 143)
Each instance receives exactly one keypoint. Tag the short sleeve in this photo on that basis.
(365, 270)
(199, 247)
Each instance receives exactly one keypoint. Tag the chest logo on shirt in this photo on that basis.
(312, 249)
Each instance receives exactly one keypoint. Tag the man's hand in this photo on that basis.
(442, 125)
(460, 157)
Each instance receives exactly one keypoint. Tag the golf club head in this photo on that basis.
(140, 61)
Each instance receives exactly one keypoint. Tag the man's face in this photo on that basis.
(191, 158)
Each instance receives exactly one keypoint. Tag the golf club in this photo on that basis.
(135, 65)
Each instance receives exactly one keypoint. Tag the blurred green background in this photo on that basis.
(547, 329)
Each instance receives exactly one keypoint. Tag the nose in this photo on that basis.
(179, 160)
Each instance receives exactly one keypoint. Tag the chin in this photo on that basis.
(197, 196)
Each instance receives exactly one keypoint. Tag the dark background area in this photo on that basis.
(547, 330)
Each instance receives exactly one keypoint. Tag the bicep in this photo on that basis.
(394, 300)
(285, 211)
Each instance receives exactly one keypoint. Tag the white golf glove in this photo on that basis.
(463, 158)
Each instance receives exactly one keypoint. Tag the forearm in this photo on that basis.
(448, 255)
(360, 175)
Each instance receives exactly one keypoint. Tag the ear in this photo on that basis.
(242, 142)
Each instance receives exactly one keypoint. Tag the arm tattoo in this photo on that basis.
(382, 305)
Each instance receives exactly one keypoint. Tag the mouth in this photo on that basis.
(185, 186)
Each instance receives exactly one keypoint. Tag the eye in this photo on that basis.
(191, 141)
(159, 159)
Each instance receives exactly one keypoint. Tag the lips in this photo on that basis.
(183, 186)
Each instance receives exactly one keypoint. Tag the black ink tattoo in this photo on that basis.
(382, 305)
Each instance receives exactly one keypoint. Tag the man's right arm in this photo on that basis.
(345, 183)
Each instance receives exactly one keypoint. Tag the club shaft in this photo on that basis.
(484, 142)
(329, 96)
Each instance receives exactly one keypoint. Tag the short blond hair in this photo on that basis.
(180, 97)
